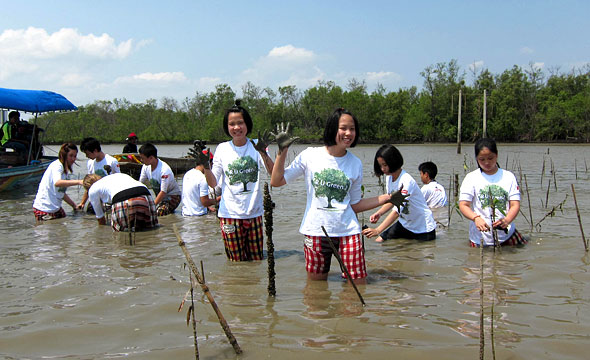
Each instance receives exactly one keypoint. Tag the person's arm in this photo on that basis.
(160, 197)
(268, 163)
(510, 216)
(390, 219)
(67, 183)
(480, 223)
(83, 201)
(207, 201)
(382, 210)
(277, 177)
(370, 203)
(70, 202)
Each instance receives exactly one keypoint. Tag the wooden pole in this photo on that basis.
(528, 196)
(343, 266)
(270, 248)
(481, 329)
(205, 288)
(579, 219)
(459, 126)
(485, 120)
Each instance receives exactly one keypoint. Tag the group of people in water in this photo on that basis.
(333, 177)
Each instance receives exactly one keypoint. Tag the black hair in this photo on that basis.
(331, 129)
(13, 114)
(237, 108)
(90, 144)
(429, 168)
(392, 157)
(148, 149)
(485, 143)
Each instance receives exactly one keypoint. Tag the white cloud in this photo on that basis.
(526, 50)
(382, 76)
(538, 65)
(162, 77)
(476, 65)
(291, 53)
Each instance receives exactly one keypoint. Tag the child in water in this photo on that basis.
(415, 217)
(489, 180)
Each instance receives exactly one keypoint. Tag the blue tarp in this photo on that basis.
(34, 101)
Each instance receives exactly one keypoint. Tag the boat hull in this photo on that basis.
(17, 176)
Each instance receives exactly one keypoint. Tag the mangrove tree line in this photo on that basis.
(523, 105)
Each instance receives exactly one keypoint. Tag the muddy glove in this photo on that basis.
(282, 137)
(201, 154)
(263, 141)
(397, 198)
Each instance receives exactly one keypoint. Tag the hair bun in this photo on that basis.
(238, 102)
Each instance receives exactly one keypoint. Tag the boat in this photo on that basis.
(130, 164)
(17, 170)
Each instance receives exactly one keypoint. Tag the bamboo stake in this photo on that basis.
(343, 266)
(268, 223)
(528, 196)
(494, 230)
(547, 195)
(492, 331)
(481, 329)
(191, 311)
(205, 288)
(576, 168)
(449, 200)
(554, 176)
(579, 219)
(543, 170)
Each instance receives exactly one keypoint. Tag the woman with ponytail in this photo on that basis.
(52, 188)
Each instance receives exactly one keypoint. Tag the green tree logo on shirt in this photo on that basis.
(155, 186)
(499, 195)
(332, 184)
(243, 170)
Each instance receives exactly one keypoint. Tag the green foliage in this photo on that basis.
(522, 105)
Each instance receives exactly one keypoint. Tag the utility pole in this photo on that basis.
(485, 120)
(459, 126)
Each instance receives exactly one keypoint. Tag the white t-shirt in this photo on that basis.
(333, 185)
(102, 191)
(416, 215)
(236, 169)
(49, 196)
(476, 188)
(194, 185)
(435, 194)
(97, 167)
(161, 179)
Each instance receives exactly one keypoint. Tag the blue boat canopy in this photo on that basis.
(34, 101)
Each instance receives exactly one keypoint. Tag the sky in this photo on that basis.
(140, 50)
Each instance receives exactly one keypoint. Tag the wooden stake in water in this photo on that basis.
(554, 176)
(492, 201)
(576, 168)
(191, 312)
(547, 195)
(528, 196)
(268, 223)
(343, 266)
(449, 200)
(205, 288)
(543, 171)
(579, 219)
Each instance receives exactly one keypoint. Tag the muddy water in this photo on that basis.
(72, 289)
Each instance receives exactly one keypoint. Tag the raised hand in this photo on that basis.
(263, 141)
(282, 137)
(397, 198)
(201, 154)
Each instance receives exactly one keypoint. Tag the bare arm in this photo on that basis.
(390, 219)
(480, 223)
(370, 203)
(160, 197)
(70, 202)
(206, 201)
(67, 183)
(277, 177)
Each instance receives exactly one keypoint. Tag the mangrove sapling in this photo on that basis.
(343, 266)
(268, 224)
(207, 292)
(493, 201)
(551, 213)
(579, 219)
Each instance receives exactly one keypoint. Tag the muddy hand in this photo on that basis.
(263, 141)
(397, 198)
(201, 154)
(284, 140)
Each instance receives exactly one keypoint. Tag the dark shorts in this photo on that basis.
(515, 240)
(397, 231)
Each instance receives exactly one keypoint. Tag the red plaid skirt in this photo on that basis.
(42, 215)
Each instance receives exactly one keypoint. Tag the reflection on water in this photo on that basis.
(72, 289)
